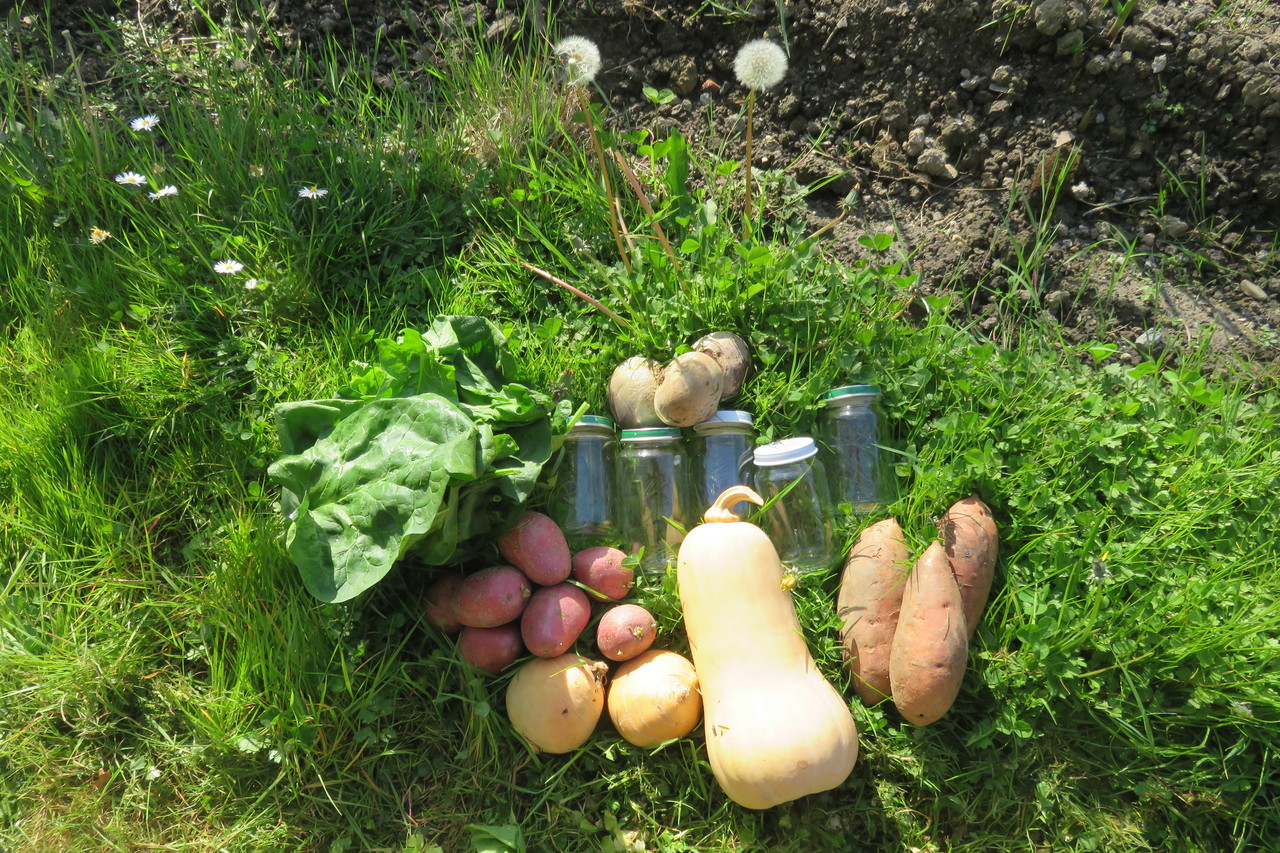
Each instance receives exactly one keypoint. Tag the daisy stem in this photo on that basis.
(604, 176)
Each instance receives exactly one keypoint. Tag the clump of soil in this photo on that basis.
(1118, 176)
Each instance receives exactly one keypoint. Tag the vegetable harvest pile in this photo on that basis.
(437, 451)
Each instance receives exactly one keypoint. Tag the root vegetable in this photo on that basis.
(689, 390)
(536, 545)
(554, 619)
(931, 645)
(491, 649)
(870, 597)
(437, 604)
(625, 631)
(631, 391)
(969, 533)
(491, 597)
(654, 698)
(601, 570)
(555, 703)
(733, 356)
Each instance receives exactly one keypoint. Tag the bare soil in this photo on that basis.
(1119, 176)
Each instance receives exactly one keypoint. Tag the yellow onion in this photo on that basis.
(555, 703)
(654, 698)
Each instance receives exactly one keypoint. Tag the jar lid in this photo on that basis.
(845, 391)
(593, 421)
(725, 417)
(785, 451)
(650, 434)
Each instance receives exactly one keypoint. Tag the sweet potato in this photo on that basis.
(554, 619)
(491, 649)
(625, 631)
(870, 596)
(491, 597)
(601, 570)
(969, 534)
(437, 604)
(535, 545)
(931, 645)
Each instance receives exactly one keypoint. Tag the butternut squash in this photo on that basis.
(776, 730)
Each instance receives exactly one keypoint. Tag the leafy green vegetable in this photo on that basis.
(433, 447)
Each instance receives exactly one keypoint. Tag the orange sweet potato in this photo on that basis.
(969, 533)
(931, 645)
(870, 596)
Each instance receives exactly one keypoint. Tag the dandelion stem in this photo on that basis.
(576, 292)
(746, 203)
(614, 217)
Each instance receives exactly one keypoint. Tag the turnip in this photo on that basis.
(689, 390)
(631, 390)
(733, 356)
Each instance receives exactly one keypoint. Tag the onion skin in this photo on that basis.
(689, 390)
(555, 703)
(733, 356)
(655, 698)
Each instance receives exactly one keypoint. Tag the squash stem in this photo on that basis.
(722, 508)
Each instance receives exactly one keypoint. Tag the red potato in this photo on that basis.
(437, 604)
(491, 649)
(554, 619)
(969, 534)
(931, 645)
(601, 570)
(535, 545)
(870, 597)
(491, 597)
(625, 631)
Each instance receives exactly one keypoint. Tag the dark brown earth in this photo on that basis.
(1121, 177)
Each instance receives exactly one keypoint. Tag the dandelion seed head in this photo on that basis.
(312, 192)
(131, 179)
(251, 284)
(227, 267)
(162, 192)
(147, 122)
(761, 64)
(580, 59)
(98, 236)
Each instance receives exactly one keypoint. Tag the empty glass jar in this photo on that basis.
(797, 523)
(851, 428)
(653, 492)
(583, 501)
(720, 456)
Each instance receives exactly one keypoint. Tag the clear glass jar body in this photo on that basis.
(720, 457)
(797, 523)
(851, 429)
(653, 492)
(583, 501)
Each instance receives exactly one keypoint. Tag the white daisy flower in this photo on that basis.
(98, 236)
(227, 267)
(580, 58)
(163, 191)
(760, 64)
(131, 179)
(147, 122)
(312, 192)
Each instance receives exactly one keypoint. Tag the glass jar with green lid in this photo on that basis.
(719, 456)
(582, 501)
(654, 503)
(851, 432)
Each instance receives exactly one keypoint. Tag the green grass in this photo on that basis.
(166, 681)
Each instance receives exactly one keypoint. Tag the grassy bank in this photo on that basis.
(168, 683)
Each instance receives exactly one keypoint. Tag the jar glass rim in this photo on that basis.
(593, 421)
(650, 433)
